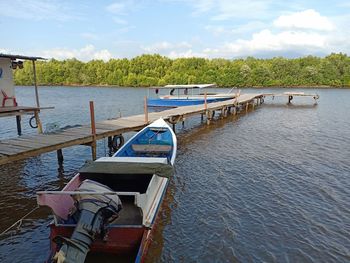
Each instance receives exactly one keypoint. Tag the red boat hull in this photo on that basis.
(118, 240)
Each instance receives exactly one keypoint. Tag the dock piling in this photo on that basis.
(145, 107)
(19, 127)
(59, 156)
(93, 131)
(38, 122)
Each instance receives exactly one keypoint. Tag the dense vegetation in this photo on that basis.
(153, 70)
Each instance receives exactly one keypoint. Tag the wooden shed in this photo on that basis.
(8, 102)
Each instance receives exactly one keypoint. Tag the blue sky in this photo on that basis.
(174, 28)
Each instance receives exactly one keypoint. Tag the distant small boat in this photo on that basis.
(185, 95)
(111, 205)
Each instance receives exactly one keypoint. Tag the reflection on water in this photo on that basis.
(271, 185)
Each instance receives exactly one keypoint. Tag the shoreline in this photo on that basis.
(230, 87)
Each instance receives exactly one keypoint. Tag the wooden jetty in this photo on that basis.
(293, 94)
(32, 145)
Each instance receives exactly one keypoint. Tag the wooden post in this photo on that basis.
(93, 131)
(35, 85)
(19, 127)
(223, 112)
(38, 122)
(59, 156)
(210, 116)
(253, 104)
(36, 113)
(246, 107)
(110, 142)
(208, 121)
(206, 108)
(145, 107)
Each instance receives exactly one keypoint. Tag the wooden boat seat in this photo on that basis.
(151, 148)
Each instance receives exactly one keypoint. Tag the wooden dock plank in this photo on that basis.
(26, 143)
(12, 145)
(8, 150)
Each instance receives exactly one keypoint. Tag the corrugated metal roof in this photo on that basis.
(191, 86)
(20, 57)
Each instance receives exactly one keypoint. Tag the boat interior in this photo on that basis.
(130, 213)
(154, 142)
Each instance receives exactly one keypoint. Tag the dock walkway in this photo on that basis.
(32, 145)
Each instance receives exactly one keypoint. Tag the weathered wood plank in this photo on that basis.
(8, 150)
(30, 144)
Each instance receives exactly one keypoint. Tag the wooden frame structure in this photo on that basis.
(21, 110)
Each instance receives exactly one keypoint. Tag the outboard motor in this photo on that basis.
(94, 212)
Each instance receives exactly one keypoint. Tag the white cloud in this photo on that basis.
(299, 33)
(166, 46)
(267, 41)
(202, 6)
(86, 53)
(120, 21)
(90, 36)
(117, 8)
(37, 10)
(307, 19)
(4, 51)
(238, 29)
(216, 30)
(221, 10)
(173, 50)
(186, 54)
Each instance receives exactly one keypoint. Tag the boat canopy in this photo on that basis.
(116, 168)
(14, 57)
(187, 86)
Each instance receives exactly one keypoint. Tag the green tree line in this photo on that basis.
(156, 70)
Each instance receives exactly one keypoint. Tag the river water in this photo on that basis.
(272, 185)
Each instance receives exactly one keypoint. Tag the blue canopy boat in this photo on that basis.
(185, 95)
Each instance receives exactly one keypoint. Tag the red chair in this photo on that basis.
(5, 97)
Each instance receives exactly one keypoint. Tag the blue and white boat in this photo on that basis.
(185, 95)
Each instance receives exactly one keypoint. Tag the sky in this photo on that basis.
(89, 30)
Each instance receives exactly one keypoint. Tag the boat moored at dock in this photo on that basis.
(111, 205)
(185, 95)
